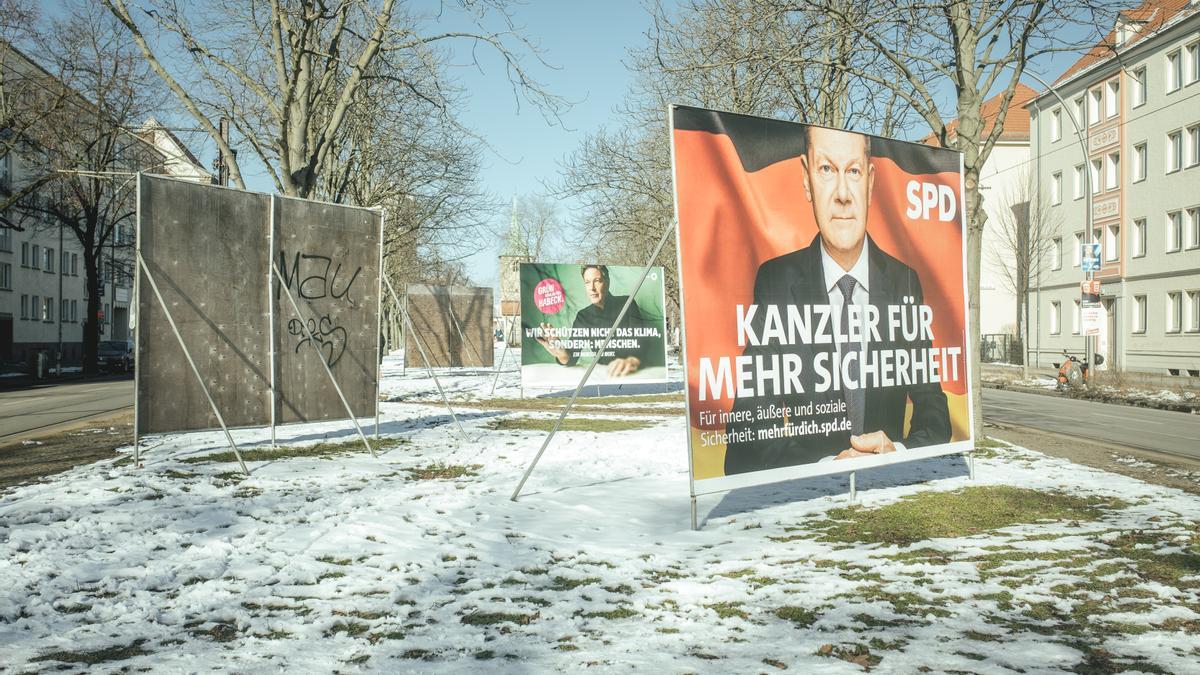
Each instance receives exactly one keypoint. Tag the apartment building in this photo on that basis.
(1136, 100)
(43, 294)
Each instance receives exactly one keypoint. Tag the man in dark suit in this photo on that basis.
(598, 318)
(841, 268)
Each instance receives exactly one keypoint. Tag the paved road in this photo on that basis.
(27, 410)
(1173, 433)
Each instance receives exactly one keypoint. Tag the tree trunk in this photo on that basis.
(91, 324)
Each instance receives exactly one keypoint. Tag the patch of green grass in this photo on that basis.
(565, 584)
(320, 450)
(569, 424)
(351, 628)
(96, 656)
(802, 617)
(491, 618)
(334, 561)
(330, 575)
(621, 612)
(727, 610)
(444, 471)
(964, 512)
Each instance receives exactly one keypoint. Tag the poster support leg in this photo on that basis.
(612, 331)
(312, 340)
(971, 465)
(379, 328)
(274, 358)
(694, 525)
(188, 355)
(137, 329)
(503, 354)
(461, 335)
(428, 366)
(853, 490)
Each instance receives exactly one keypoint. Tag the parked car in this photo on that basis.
(116, 355)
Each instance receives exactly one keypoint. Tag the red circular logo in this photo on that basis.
(548, 296)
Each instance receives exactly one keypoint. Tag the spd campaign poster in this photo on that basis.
(823, 283)
(568, 309)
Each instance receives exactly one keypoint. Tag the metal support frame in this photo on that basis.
(187, 354)
(421, 348)
(274, 356)
(137, 329)
(461, 336)
(971, 465)
(695, 526)
(612, 331)
(853, 487)
(379, 327)
(312, 340)
(500, 365)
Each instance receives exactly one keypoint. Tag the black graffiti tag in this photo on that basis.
(316, 277)
(330, 339)
(321, 277)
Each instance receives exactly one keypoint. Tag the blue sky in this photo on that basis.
(588, 42)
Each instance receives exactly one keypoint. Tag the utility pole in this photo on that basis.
(222, 160)
(58, 360)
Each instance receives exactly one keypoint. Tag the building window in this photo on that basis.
(1078, 187)
(1193, 145)
(24, 254)
(1174, 72)
(1193, 62)
(5, 240)
(1174, 231)
(1137, 92)
(1055, 124)
(64, 310)
(1174, 151)
(1193, 227)
(1054, 316)
(1138, 238)
(24, 306)
(1112, 172)
(1056, 188)
(1139, 162)
(5, 276)
(1078, 248)
(1192, 316)
(35, 257)
(1174, 311)
(1139, 314)
(1075, 319)
(48, 255)
(1056, 253)
(1077, 104)
(1112, 239)
(1097, 174)
(1094, 103)
(74, 264)
(47, 309)
(64, 262)
(1112, 94)
(74, 311)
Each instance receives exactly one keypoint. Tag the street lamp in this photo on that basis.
(1088, 187)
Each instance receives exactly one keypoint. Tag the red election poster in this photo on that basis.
(823, 284)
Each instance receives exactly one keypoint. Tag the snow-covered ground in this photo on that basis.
(354, 563)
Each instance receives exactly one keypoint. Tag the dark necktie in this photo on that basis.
(855, 398)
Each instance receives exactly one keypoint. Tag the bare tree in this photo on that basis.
(946, 57)
(292, 74)
(534, 231)
(1024, 236)
(87, 144)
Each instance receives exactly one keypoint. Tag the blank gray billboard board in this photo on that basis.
(454, 324)
(210, 251)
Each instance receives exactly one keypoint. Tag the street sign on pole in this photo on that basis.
(1090, 257)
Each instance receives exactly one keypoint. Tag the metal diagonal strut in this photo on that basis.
(428, 364)
(312, 340)
(603, 346)
(188, 356)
